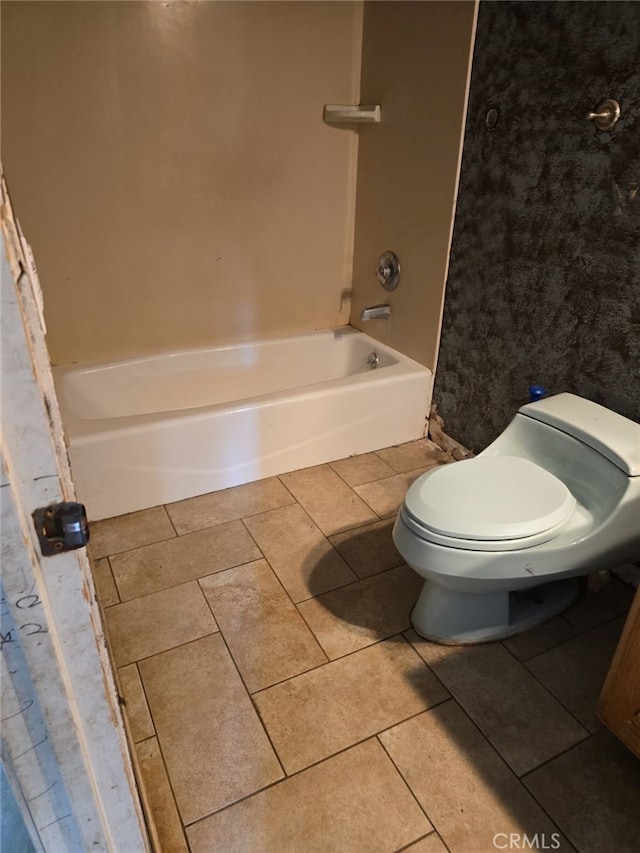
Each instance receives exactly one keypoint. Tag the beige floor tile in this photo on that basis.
(414, 454)
(595, 608)
(369, 549)
(104, 582)
(113, 535)
(431, 844)
(385, 496)
(362, 469)
(358, 615)
(228, 505)
(353, 803)
(593, 793)
(520, 718)
(157, 622)
(575, 671)
(157, 790)
(540, 639)
(185, 558)
(468, 792)
(299, 553)
(332, 504)
(135, 703)
(328, 709)
(266, 636)
(214, 747)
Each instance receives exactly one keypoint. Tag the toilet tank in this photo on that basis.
(615, 437)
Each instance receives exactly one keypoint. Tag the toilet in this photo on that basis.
(503, 539)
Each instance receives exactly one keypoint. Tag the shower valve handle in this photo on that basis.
(606, 115)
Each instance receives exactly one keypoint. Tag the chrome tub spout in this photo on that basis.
(376, 312)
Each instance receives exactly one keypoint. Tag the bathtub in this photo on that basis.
(160, 428)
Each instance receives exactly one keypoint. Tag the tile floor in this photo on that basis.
(280, 701)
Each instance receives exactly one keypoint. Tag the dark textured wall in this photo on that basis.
(544, 276)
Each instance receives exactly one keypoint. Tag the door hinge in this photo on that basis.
(61, 527)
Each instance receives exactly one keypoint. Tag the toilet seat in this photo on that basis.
(488, 503)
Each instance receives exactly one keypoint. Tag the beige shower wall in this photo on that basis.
(415, 60)
(170, 167)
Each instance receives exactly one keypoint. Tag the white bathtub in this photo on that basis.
(157, 429)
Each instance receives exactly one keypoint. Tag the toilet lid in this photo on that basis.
(489, 498)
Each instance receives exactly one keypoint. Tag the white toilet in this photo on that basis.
(501, 539)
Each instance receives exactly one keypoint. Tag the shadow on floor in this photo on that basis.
(521, 717)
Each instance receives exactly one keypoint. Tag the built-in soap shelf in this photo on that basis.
(345, 114)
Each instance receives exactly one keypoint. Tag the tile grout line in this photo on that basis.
(429, 667)
(208, 603)
(366, 483)
(554, 821)
(295, 607)
(346, 529)
(286, 777)
(113, 578)
(523, 661)
(330, 661)
(146, 700)
(406, 782)
(435, 832)
(164, 763)
(233, 518)
(349, 583)
(567, 749)
(250, 697)
(579, 632)
(171, 522)
(518, 779)
(334, 660)
(371, 736)
(264, 557)
(495, 748)
(324, 760)
(559, 701)
(324, 651)
(221, 632)
(183, 582)
(135, 547)
(330, 543)
(552, 695)
(171, 648)
(177, 535)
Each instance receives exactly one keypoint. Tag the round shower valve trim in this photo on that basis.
(388, 270)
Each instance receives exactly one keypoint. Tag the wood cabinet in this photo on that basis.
(619, 706)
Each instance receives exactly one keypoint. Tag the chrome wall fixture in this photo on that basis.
(376, 312)
(606, 115)
(388, 271)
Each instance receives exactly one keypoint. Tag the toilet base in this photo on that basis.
(460, 618)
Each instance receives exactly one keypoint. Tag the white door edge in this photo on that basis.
(63, 739)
